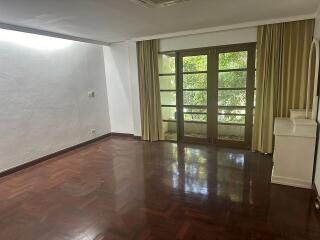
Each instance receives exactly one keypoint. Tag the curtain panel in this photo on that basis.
(149, 88)
(282, 69)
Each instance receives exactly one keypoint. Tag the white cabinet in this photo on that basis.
(294, 152)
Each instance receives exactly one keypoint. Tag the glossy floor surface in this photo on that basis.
(120, 188)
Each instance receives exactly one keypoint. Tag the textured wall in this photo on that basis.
(44, 103)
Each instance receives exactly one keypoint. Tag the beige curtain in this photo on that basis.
(282, 68)
(149, 90)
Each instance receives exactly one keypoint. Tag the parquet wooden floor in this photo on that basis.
(120, 188)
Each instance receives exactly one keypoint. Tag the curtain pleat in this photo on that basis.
(282, 69)
(147, 52)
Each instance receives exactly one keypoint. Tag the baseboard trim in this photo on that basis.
(52, 155)
(126, 135)
(122, 134)
(292, 182)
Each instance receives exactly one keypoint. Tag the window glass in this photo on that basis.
(222, 110)
(167, 63)
(169, 130)
(168, 98)
(195, 117)
(169, 113)
(167, 82)
(233, 60)
(196, 130)
(231, 132)
(195, 63)
(236, 119)
(232, 97)
(195, 98)
(195, 81)
(236, 79)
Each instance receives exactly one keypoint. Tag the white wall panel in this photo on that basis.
(44, 103)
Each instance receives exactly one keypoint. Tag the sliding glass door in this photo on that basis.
(207, 95)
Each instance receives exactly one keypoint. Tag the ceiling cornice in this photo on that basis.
(226, 27)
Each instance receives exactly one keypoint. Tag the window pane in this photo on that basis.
(169, 130)
(232, 97)
(167, 82)
(232, 119)
(195, 110)
(168, 98)
(169, 113)
(195, 117)
(233, 60)
(233, 79)
(167, 63)
(195, 97)
(195, 81)
(232, 111)
(195, 63)
(231, 132)
(197, 130)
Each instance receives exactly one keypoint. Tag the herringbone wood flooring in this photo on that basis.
(120, 188)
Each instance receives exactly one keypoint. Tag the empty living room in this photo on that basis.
(159, 120)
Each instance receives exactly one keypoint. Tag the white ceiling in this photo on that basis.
(119, 20)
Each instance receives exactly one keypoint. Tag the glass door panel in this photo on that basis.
(168, 95)
(231, 124)
(194, 96)
(234, 96)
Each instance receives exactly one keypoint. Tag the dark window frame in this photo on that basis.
(212, 94)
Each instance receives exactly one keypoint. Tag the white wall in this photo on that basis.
(123, 88)
(44, 103)
(220, 38)
(317, 175)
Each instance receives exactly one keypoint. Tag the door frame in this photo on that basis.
(212, 95)
(250, 88)
(180, 105)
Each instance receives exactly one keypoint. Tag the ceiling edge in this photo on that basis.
(227, 27)
(50, 34)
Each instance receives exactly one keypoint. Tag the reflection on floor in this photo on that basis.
(120, 188)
